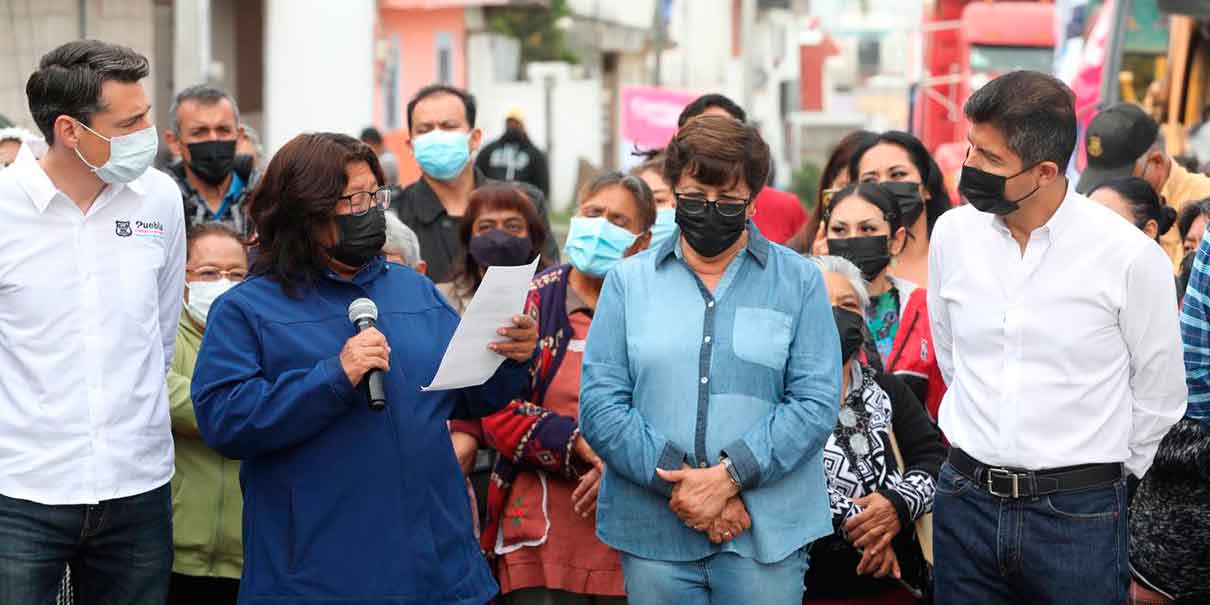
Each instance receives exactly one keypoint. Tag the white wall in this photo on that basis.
(701, 58)
(632, 13)
(30, 29)
(576, 118)
(318, 67)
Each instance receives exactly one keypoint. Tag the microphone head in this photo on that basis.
(363, 308)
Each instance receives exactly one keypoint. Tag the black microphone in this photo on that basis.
(364, 314)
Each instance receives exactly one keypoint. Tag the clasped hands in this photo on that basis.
(871, 531)
(707, 501)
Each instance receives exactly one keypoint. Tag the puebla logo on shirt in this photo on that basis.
(153, 229)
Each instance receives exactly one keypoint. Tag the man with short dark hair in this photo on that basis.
(441, 124)
(1054, 329)
(1124, 141)
(92, 272)
(779, 214)
(205, 131)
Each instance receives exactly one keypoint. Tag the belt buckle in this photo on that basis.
(1005, 474)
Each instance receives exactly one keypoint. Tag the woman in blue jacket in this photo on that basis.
(341, 503)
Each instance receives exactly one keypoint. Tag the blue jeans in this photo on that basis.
(720, 579)
(120, 551)
(1062, 548)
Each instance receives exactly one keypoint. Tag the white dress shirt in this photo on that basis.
(1067, 354)
(89, 305)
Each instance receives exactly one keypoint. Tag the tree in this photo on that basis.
(537, 29)
(805, 184)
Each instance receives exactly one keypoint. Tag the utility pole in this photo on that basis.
(660, 26)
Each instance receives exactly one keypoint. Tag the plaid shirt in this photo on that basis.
(235, 208)
(1195, 332)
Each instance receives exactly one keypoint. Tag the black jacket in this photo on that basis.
(512, 157)
(419, 208)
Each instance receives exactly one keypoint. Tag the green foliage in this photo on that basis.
(805, 184)
(537, 30)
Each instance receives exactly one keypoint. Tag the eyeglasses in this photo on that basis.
(695, 203)
(362, 202)
(215, 274)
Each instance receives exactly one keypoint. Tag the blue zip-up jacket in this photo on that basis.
(343, 504)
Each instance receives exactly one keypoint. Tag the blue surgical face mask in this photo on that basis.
(595, 245)
(664, 227)
(442, 154)
(130, 155)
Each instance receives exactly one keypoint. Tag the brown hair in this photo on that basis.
(717, 151)
(207, 229)
(654, 161)
(294, 202)
(493, 196)
(644, 201)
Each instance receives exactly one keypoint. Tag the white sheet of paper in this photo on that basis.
(467, 361)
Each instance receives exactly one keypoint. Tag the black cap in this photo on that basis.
(1115, 140)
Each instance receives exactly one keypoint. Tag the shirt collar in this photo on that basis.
(30, 175)
(365, 275)
(1055, 225)
(37, 184)
(575, 303)
(428, 207)
(758, 246)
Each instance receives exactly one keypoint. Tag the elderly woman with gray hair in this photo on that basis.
(881, 462)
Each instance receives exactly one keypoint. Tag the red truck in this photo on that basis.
(966, 44)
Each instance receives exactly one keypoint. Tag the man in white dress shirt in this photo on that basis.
(1056, 333)
(92, 262)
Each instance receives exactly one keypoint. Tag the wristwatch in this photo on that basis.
(731, 472)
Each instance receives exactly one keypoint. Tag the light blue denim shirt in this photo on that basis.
(675, 374)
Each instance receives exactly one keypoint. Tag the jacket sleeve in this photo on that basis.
(617, 431)
(180, 405)
(242, 414)
(542, 174)
(800, 424)
(922, 450)
(533, 437)
(510, 381)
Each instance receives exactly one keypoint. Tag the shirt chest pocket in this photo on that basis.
(139, 278)
(762, 336)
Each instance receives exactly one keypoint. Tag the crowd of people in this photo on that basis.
(711, 396)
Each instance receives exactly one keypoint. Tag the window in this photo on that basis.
(445, 57)
(392, 82)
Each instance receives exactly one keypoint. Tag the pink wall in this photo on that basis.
(417, 31)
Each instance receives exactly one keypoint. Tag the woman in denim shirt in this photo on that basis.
(711, 382)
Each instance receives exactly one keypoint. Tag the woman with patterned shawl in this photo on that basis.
(540, 525)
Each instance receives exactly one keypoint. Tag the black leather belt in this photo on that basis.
(1019, 483)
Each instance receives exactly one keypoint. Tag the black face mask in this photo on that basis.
(851, 328)
(709, 233)
(499, 249)
(361, 237)
(985, 191)
(907, 195)
(871, 254)
(212, 161)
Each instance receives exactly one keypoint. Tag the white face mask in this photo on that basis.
(202, 295)
(130, 155)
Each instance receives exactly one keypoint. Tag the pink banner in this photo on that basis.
(1087, 83)
(649, 114)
